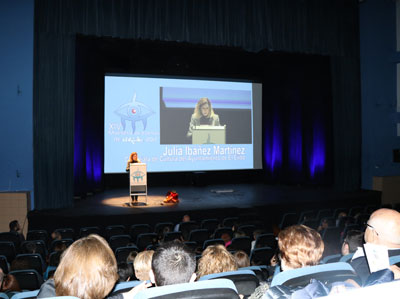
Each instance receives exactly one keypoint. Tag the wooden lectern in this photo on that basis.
(138, 179)
(209, 135)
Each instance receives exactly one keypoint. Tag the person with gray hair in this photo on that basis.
(382, 228)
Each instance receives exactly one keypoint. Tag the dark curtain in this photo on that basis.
(315, 27)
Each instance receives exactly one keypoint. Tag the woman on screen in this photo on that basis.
(203, 115)
(133, 159)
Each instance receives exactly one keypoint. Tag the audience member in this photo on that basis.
(172, 263)
(185, 218)
(142, 264)
(382, 228)
(88, 270)
(227, 239)
(352, 241)
(300, 246)
(131, 256)
(216, 259)
(125, 272)
(256, 233)
(16, 229)
(9, 284)
(242, 259)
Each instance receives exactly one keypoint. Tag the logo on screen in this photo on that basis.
(134, 111)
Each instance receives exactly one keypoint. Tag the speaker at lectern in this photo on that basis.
(138, 179)
(209, 134)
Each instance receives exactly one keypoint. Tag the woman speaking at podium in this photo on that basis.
(132, 159)
(203, 115)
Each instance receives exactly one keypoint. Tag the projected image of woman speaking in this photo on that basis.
(203, 115)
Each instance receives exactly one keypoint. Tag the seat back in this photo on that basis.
(11, 237)
(66, 232)
(261, 256)
(217, 288)
(212, 242)
(30, 261)
(326, 273)
(199, 236)
(266, 240)
(113, 230)
(288, 219)
(28, 279)
(122, 253)
(86, 231)
(117, 241)
(209, 224)
(245, 280)
(241, 243)
(160, 226)
(248, 229)
(230, 221)
(394, 259)
(346, 258)
(137, 229)
(34, 246)
(125, 286)
(55, 243)
(171, 236)
(333, 258)
(8, 250)
(222, 230)
(144, 240)
(4, 264)
(257, 271)
(25, 295)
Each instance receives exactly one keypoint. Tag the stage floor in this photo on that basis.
(112, 206)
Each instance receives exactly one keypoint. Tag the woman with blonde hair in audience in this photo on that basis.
(142, 264)
(87, 270)
(299, 246)
(216, 259)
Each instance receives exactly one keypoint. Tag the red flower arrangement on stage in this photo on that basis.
(172, 197)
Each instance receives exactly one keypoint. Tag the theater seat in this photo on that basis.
(326, 273)
(28, 279)
(245, 280)
(217, 288)
(125, 286)
(25, 295)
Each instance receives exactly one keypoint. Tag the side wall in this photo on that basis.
(378, 59)
(16, 93)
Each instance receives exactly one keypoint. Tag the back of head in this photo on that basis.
(384, 228)
(173, 263)
(354, 239)
(125, 271)
(300, 246)
(13, 225)
(88, 269)
(242, 259)
(216, 259)
(142, 264)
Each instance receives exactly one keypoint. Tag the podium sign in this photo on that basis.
(209, 135)
(138, 179)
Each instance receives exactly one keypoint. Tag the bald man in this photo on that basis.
(382, 228)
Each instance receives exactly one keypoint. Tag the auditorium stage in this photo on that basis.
(212, 201)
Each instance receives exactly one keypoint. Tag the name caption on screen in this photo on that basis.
(203, 151)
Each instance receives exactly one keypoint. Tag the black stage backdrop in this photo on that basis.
(244, 28)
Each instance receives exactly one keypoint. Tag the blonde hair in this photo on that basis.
(216, 259)
(300, 246)
(88, 269)
(197, 110)
(142, 264)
